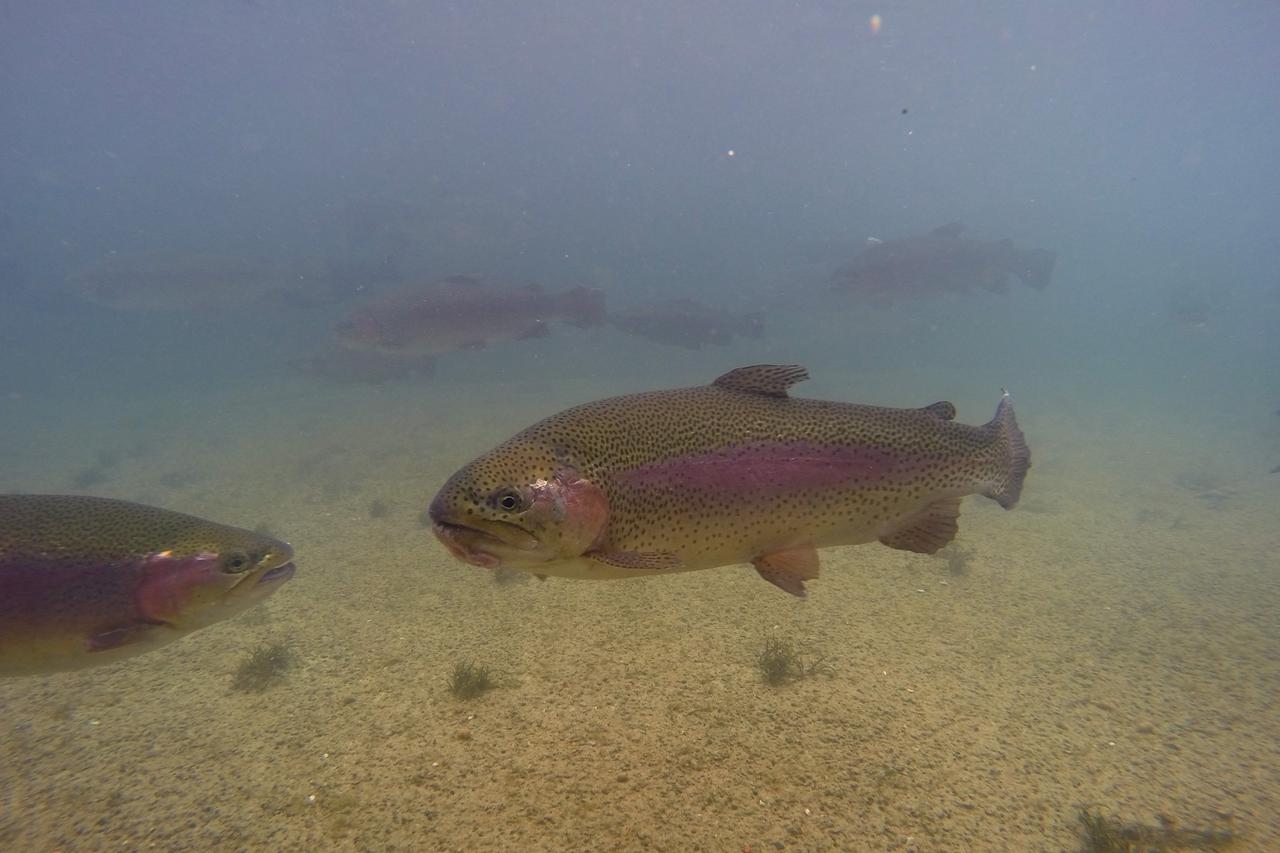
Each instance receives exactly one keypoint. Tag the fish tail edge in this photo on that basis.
(1014, 456)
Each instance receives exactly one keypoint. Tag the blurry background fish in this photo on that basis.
(687, 323)
(174, 281)
(940, 261)
(465, 312)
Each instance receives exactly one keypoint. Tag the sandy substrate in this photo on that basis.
(1112, 642)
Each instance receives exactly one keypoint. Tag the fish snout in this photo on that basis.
(461, 543)
(275, 566)
(273, 569)
(478, 540)
(277, 574)
(461, 540)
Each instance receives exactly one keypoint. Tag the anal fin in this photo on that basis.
(929, 530)
(789, 568)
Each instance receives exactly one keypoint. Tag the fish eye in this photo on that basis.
(508, 500)
(236, 562)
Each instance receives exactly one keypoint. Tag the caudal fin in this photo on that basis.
(1013, 456)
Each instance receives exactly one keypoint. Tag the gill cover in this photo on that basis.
(569, 509)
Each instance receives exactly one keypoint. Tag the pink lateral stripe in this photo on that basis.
(766, 468)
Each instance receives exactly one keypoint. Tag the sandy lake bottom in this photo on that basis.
(1113, 642)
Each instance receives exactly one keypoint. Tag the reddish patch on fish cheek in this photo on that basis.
(168, 582)
(769, 468)
(577, 507)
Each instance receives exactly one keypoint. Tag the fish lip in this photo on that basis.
(281, 573)
(482, 546)
(502, 532)
(459, 540)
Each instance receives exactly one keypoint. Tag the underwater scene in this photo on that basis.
(652, 426)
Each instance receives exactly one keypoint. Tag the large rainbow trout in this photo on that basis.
(732, 472)
(86, 580)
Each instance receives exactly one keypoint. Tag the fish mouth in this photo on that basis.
(272, 572)
(482, 546)
(279, 573)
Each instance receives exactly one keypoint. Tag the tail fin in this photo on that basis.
(1014, 457)
(584, 307)
(1035, 267)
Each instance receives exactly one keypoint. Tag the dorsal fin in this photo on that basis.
(951, 229)
(942, 410)
(771, 380)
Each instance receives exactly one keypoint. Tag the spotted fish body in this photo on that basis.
(87, 580)
(732, 472)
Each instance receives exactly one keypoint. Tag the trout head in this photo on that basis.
(489, 515)
(192, 587)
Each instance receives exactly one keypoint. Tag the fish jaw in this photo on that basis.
(466, 544)
(488, 544)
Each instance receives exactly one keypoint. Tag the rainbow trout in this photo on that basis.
(86, 580)
(732, 472)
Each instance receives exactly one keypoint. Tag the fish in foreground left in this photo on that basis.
(87, 580)
(737, 471)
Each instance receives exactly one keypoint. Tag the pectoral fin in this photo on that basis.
(928, 531)
(789, 568)
(645, 561)
(114, 638)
